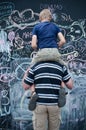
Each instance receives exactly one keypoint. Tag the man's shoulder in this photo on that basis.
(48, 62)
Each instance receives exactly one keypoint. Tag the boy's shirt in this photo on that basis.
(46, 33)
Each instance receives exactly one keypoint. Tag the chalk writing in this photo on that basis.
(22, 19)
(51, 6)
(16, 53)
(5, 9)
(4, 103)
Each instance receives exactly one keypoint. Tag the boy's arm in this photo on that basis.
(62, 39)
(34, 42)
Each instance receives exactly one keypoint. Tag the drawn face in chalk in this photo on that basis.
(76, 31)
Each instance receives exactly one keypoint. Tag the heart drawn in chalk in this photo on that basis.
(25, 17)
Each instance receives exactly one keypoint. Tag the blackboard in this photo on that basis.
(17, 19)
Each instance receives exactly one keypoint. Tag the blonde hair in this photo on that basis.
(45, 14)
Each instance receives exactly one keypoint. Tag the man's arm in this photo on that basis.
(69, 84)
(67, 78)
(34, 42)
(62, 40)
(24, 85)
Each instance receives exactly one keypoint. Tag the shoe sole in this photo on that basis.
(62, 97)
(32, 102)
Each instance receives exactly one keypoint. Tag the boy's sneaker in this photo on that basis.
(62, 97)
(32, 102)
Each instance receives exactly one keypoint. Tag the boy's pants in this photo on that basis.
(46, 117)
(47, 54)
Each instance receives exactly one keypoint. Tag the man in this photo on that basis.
(44, 39)
(47, 78)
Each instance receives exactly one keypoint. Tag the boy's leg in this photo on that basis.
(48, 54)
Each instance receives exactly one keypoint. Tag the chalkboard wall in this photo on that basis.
(17, 18)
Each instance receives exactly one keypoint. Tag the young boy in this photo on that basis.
(44, 38)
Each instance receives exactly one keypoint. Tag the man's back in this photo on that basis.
(47, 77)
